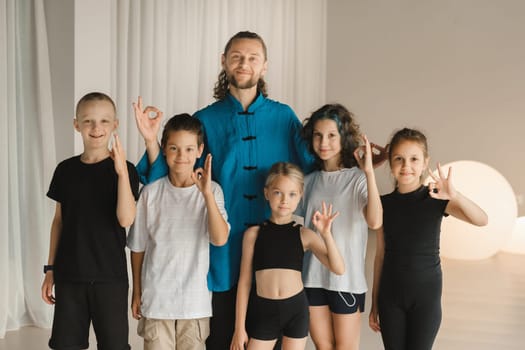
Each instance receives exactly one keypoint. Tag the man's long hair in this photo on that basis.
(221, 86)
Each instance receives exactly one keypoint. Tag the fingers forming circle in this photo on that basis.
(152, 112)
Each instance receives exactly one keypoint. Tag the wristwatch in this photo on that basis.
(48, 268)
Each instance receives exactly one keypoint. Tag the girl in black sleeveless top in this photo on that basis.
(406, 297)
(273, 252)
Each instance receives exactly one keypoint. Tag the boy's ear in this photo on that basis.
(201, 149)
(75, 124)
(223, 60)
(265, 193)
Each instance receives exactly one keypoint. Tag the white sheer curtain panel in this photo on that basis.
(169, 52)
(27, 159)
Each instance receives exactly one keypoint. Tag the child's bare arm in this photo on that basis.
(49, 280)
(373, 211)
(373, 318)
(240, 337)
(465, 209)
(137, 258)
(217, 226)
(126, 206)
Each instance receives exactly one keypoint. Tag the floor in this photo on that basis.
(483, 308)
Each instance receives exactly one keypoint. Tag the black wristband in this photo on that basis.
(48, 268)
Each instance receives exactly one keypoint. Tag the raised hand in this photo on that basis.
(442, 187)
(202, 176)
(148, 126)
(118, 155)
(322, 221)
(363, 155)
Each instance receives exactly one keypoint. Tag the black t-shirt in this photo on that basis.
(412, 226)
(92, 243)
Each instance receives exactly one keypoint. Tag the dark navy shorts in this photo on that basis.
(275, 317)
(338, 302)
(80, 304)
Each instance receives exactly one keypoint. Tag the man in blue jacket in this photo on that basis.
(246, 133)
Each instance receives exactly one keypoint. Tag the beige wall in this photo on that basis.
(454, 69)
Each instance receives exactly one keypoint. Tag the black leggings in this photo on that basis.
(410, 308)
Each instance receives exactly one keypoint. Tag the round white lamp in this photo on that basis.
(491, 191)
(516, 242)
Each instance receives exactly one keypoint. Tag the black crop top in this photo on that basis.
(278, 247)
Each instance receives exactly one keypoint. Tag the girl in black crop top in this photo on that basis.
(274, 252)
(406, 297)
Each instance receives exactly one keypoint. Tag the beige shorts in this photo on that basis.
(174, 334)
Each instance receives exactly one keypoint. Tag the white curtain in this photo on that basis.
(27, 159)
(169, 52)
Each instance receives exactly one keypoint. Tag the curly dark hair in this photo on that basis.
(221, 86)
(347, 127)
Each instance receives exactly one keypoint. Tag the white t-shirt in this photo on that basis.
(346, 190)
(171, 228)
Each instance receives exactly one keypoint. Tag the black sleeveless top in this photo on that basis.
(278, 247)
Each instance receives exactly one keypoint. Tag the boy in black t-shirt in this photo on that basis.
(95, 194)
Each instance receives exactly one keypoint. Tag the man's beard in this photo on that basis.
(246, 85)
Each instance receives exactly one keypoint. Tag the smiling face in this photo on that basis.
(283, 195)
(182, 151)
(326, 143)
(244, 63)
(95, 121)
(407, 163)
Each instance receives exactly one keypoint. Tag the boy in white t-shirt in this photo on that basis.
(178, 216)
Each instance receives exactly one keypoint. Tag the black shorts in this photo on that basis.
(79, 304)
(272, 318)
(338, 302)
